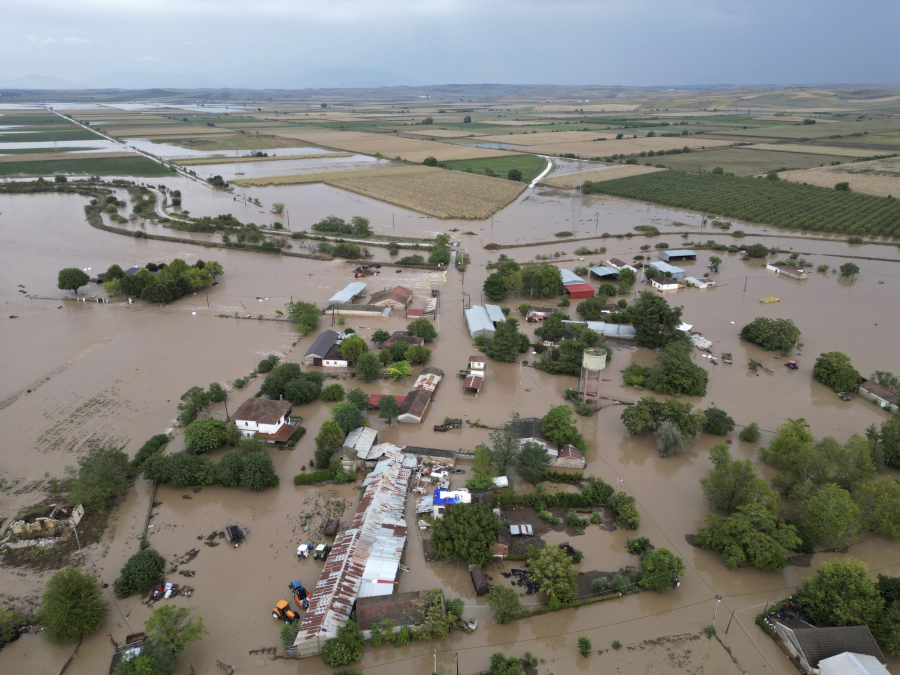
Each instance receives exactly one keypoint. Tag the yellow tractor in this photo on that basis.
(283, 612)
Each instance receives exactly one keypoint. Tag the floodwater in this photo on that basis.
(288, 167)
(104, 374)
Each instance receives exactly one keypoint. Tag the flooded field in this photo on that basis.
(112, 374)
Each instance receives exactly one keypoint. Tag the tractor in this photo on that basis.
(322, 551)
(301, 595)
(283, 612)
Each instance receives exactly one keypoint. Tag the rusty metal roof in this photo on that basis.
(365, 557)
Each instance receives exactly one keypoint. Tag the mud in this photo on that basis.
(113, 373)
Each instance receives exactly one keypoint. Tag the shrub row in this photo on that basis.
(525, 613)
(314, 477)
(152, 447)
(560, 477)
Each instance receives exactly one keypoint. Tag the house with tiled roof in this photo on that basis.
(268, 420)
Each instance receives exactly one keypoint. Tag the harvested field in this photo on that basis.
(148, 130)
(809, 149)
(440, 193)
(546, 137)
(229, 160)
(570, 180)
(605, 107)
(232, 142)
(626, 146)
(879, 177)
(745, 160)
(443, 133)
(332, 176)
(50, 156)
(390, 146)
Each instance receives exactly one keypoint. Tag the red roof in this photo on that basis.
(375, 398)
(415, 312)
(281, 436)
(580, 290)
(473, 382)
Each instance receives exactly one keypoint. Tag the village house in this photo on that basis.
(395, 298)
(267, 420)
(664, 284)
(809, 647)
(413, 408)
(787, 271)
(403, 336)
(316, 354)
(402, 609)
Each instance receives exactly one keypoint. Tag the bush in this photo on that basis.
(72, 606)
(346, 647)
(217, 393)
(151, 447)
(600, 585)
(205, 434)
(333, 392)
(750, 433)
(259, 472)
(314, 477)
(141, 573)
(267, 364)
(639, 546)
(771, 334)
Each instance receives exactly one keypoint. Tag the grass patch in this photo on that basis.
(72, 134)
(31, 151)
(107, 166)
(531, 166)
(758, 200)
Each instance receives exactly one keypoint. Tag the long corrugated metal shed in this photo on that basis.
(365, 557)
(479, 322)
(677, 254)
(603, 271)
(351, 291)
(677, 272)
(495, 313)
(569, 277)
(609, 330)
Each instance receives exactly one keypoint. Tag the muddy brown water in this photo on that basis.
(112, 374)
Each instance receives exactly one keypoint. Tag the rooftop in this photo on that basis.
(398, 294)
(322, 344)
(569, 277)
(361, 440)
(283, 435)
(375, 399)
(603, 271)
(403, 336)
(881, 391)
(666, 267)
(478, 319)
(428, 452)
(821, 643)
(352, 289)
(262, 410)
(415, 403)
(495, 313)
(677, 253)
(404, 609)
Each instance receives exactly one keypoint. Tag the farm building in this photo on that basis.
(361, 440)
(877, 393)
(446, 498)
(787, 271)
(413, 408)
(811, 646)
(851, 664)
(578, 291)
(402, 609)
(607, 330)
(677, 254)
(495, 313)
(334, 359)
(569, 277)
(350, 293)
(479, 322)
(375, 400)
(604, 273)
(347, 457)
(676, 272)
(616, 263)
(702, 284)
(477, 362)
(429, 379)
(268, 420)
(433, 455)
(399, 296)
(365, 559)
(474, 381)
(665, 284)
(319, 349)
(403, 336)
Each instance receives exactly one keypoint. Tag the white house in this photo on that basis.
(268, 419)
(664, 284)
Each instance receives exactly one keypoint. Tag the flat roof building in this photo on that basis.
(479, 322)
(677, 254)
(352, 291)
(663, 267)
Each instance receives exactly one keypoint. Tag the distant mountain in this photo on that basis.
(37, 82)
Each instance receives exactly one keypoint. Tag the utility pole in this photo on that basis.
(597, 226)
(745, 284)
(718, 600)
(729, 622)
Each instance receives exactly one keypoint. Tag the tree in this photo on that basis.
(329, 439)
(305, 314)
(879, 506)
(71, 279)
(205, 434)
(102, 476)
(495, 287)
(360, 226)
(584, 646)
(466, 530)
(442, 239)
(175, 627)
(388, 408)
(886, 379)
(483, 470)
(332, 393)
(368, 367)
(772, 175)
(303, 388)
(756, 250)
(669, 439)
(504, 601)
(788, 437)
(552, 327)
(751, 534)
(217, 393)
(514, 174)
(750, 433)
(258, 472)
(718, 422)
(113, 273)
(154, 659)
(214, 269)
(674, 373)
(841, 594)
(417, 354)
(847, 270)
(559, 427)
(533, 462)
(112, 287)
(193, 401)
(72, 606)
(550, 569)
(504, 346)
(655, 323)
(505, 446)
(230, 469)
(380, 336)
(660, 570)
(715, 261)
(500, 665)
(591, 309)
(467, 119)
(831, 517)
(833, 369)
(359, 398)
(438, 256)
(141, 573)
(400, 370)
(347, 416)
(885, 441)
(430, 161)
(422, 328)
(732, 483)
(771, 334)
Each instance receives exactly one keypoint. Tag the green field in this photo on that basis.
(69, 134)
(37, 118)
(531, 166)
(102, 166)
(745, 161)
(758, 200)
(819, 130)
(30, 151)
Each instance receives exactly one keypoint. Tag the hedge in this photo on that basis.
(151, 447)
(560, 477)
(314, 477)
(507, 498)
(525, 613)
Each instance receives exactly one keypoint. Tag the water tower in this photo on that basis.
(592, 364)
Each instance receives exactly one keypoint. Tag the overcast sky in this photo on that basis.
(299, 43)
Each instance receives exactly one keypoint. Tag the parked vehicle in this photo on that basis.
(301, 594)
(282, 611)
(304, 549)
(322, 551)
(792, 365)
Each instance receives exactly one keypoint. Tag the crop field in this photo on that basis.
(390, 146)
(875, 143)
(67, 133)
(135, 165)
(232, 142)
(570, 180)
(530, 138)
(442, 194)
(442, 133)
(45, 156)
(232, 160)
(744, 160)
(878, 177)
(531, 166)
(35, 151)
(606, 107)
(841, 128)
(149, 130)
(331, 176)
(808, 149)
(778, 203)
(626, 146)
